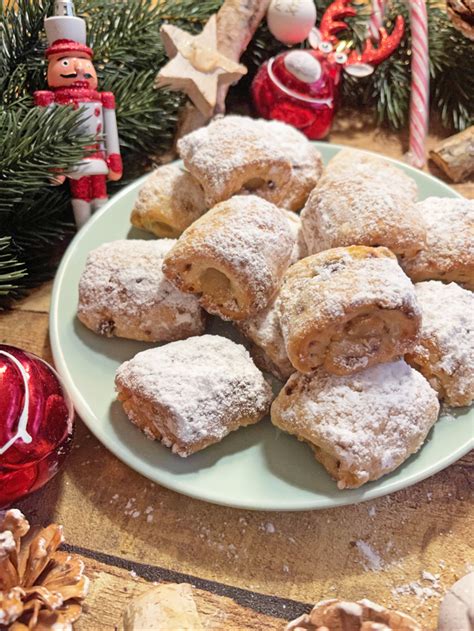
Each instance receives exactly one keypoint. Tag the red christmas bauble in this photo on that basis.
(36, 423)
(298, 87)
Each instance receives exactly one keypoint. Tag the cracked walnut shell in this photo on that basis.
(363, 615)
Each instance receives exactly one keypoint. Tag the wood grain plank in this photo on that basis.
(26, 329)
(306, 557)
(112, 589)
(38, 300)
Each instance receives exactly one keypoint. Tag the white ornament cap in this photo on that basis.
(302, 65)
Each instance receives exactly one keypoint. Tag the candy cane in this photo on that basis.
(376, 18)
(420, 83)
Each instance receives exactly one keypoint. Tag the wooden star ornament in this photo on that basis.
(196, 67)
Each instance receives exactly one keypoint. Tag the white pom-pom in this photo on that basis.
(291, 21)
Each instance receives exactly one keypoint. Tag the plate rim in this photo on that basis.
(120, 451)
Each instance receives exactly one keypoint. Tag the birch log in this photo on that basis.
(455, 155)
(237, 21)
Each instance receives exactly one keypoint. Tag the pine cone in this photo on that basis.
(363, 615)
(40, 588)
(461, 13)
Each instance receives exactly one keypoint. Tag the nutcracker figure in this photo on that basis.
(72, 80)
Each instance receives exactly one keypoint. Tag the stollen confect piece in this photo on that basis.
(355, 208)
(306, 163)
(192, 393)
(360, 426)
(457, 607)
(263, 330)
(363, 615)
(166, 607)
(347, 309)
(267, 346)
(299, 249)
(168, 202)
(235, 155)
(448, 253)
(444, 352)
(123, 293)
(376, 167)
(233, 257)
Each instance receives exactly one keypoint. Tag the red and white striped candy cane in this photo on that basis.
(376, 18)
(420, 83)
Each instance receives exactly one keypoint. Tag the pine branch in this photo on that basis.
(32, 144)
(12, 270)
(452, 75)
(147, 117)
(22, 42)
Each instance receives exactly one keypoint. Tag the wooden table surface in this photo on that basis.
(251, 570)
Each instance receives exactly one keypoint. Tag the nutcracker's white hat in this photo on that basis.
(64, 31)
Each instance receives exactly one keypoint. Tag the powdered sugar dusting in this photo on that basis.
(169, 196)
(247, 235)
(300, 249)
(349, 162)
(122, 291)
(202, 386)
(445, 351)
(264, 331)
(372, 560)
(322, 290)
(449, 250)
(359, 419)
(230, 147)
(349, 208)
(359, 280)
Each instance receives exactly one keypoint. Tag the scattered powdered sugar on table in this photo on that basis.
(420, 588)
(372, 560)
(203, 383)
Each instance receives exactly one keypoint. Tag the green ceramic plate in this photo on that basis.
(257, 467)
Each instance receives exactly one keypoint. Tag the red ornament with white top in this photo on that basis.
(36, 423)
(301, 87)
(72, 80)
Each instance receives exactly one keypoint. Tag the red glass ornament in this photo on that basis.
(36, 423)
(308, 105)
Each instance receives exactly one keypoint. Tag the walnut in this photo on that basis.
(363, 615)
(40, 588)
